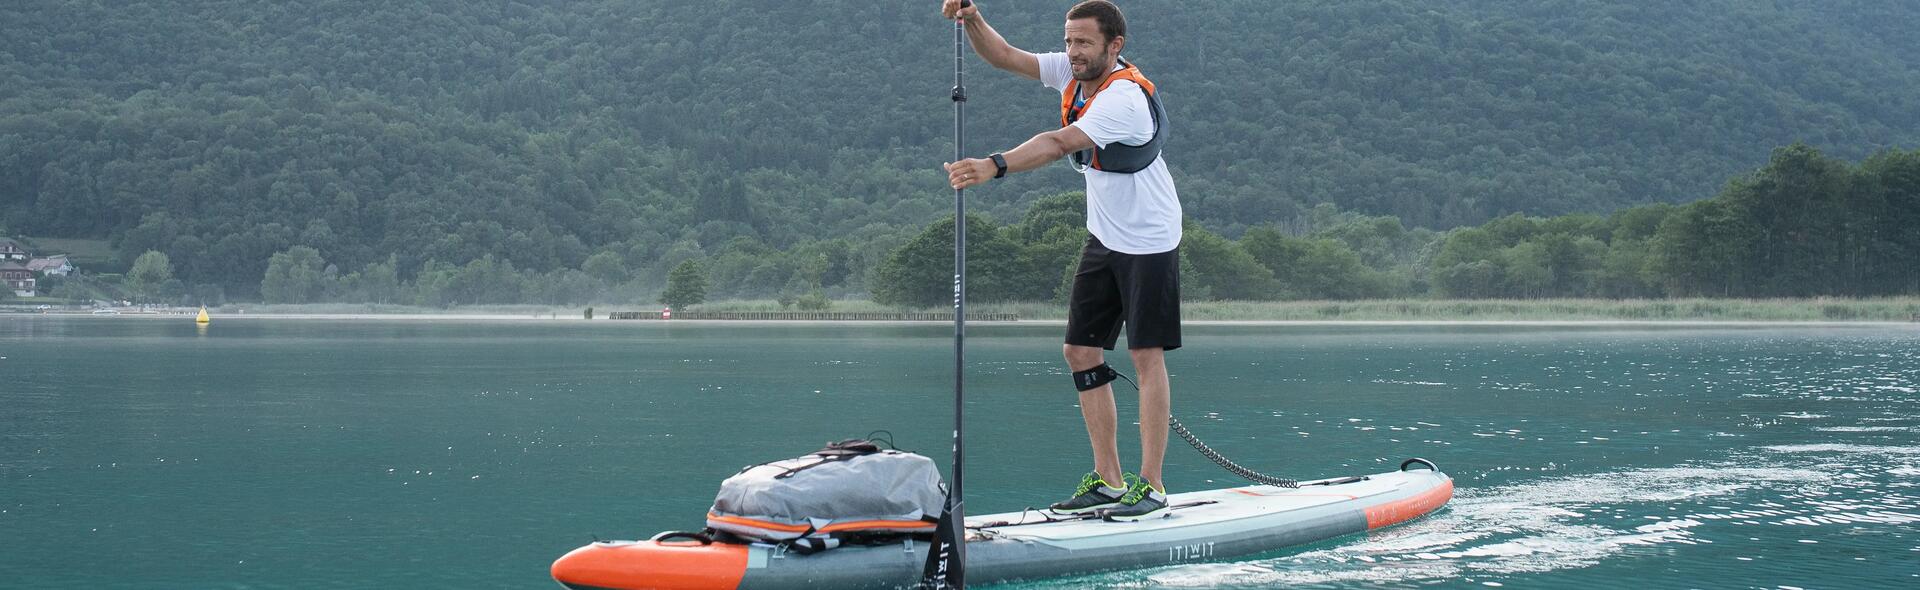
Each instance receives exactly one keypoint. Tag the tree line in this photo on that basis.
(1801, 225)
(432, 135)
(1804, 225)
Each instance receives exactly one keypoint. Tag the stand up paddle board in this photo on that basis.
(1202, 526)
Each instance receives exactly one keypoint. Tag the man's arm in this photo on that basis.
(988, 42)
(1039, 151)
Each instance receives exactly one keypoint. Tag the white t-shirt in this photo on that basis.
(1136, 213)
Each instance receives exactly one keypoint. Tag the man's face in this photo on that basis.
(1089, 51)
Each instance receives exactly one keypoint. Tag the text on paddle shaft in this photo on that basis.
(1190, 552)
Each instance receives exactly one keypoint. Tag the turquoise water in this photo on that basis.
(142, 453)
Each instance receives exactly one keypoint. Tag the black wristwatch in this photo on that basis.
(999, 162)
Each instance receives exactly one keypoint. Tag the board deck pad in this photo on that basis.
(1216, 509)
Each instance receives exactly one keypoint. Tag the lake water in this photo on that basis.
(146, 453)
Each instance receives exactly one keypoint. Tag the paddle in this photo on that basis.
(947, 556)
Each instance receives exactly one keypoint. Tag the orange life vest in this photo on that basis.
(1116, 157)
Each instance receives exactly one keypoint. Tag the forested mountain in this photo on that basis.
(530, 136)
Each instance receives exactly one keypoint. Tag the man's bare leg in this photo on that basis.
(1097, 410)
(1150, 364)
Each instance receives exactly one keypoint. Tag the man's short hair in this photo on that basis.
(1112, 23)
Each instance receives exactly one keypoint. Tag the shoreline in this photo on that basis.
(495, 317)
(1888, 311)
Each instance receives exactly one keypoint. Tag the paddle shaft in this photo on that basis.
(955, 505)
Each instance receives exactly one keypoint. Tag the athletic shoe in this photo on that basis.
(1093, 494)
(1140, 502)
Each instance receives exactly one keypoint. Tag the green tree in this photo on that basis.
(608, 267)
(814, 301)
(565, 287)
(1623, 272)
(1512, 229)
(150, 274)
(920, 272)
(487, 280)
(298, 275)
(1221, 269)
(434, 284)
(1572, 262)
(1470, 280)
(1797, 204)
(826, 263)
(1321, 268)
(1705, 249)
(746, 267)
(1638, 223)
(1891, 185)
(1467, 265)
(1329, 269)
(1048, 238)
(1381, 241)
(686, 285)
(1467, 245)
(1528, 270)
(1055, 218)
(377, 283)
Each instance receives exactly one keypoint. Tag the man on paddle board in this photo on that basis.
(1113, 126)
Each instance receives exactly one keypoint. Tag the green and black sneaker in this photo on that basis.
(1093, 494)
(1140, 502)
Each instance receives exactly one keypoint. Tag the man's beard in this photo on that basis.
(1096, 68)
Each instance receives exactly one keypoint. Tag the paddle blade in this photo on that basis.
(946, 557)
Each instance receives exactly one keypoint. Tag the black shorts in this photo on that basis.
(1112, 288)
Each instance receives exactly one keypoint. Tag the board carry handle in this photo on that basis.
(1429, 464)
(671, 535)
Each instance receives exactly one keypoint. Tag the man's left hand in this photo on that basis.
(970, 172)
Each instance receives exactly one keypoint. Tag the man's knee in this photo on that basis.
(1148, 357)
(1081, 358)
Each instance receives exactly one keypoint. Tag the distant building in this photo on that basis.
(11, 251)
(51, 266)
(17, 278)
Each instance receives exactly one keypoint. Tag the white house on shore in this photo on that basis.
(51, 266)
(12, 251)
(20, 270)
(14, 273)
(17, 278)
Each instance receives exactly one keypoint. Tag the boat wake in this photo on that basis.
(1491, 536)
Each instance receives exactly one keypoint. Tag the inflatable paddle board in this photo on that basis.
(1202, 526)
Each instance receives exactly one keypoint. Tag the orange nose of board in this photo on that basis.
(634, 565)
(1397, 512)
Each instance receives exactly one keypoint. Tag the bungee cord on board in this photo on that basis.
(1215, 456)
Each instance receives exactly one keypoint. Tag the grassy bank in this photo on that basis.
(1781, 310)
(343, 309)
(1900, 309)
